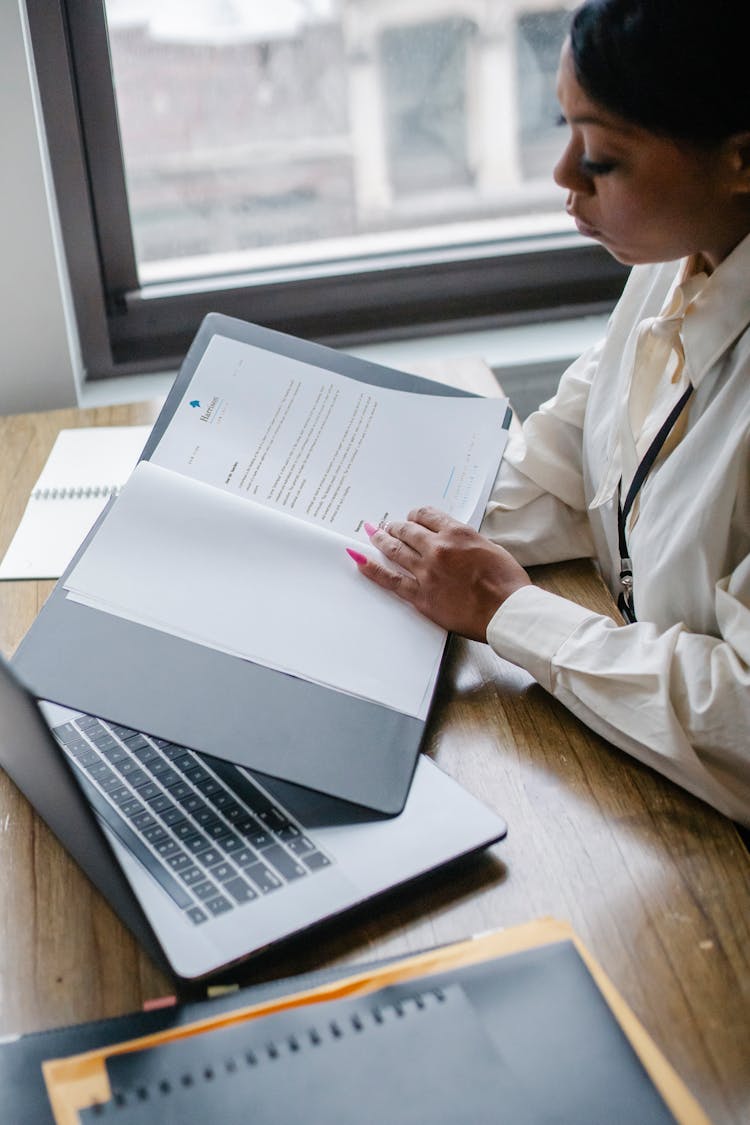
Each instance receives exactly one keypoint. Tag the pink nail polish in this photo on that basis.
(370, 528)
(359, 559)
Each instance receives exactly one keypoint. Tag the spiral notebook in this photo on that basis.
(520, 1026)
(85, 467)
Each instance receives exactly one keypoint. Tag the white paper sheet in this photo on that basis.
(84, 468)
(325, 448)
(200, 563)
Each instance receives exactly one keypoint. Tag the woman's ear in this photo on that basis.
(738, 150)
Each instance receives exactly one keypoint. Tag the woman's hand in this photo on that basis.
(446, 570)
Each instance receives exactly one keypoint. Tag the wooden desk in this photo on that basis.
(655, 882)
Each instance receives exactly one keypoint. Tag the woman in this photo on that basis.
(657, 169)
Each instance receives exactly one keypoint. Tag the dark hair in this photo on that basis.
(676, 67)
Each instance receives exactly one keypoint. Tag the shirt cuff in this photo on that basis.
(530, 627)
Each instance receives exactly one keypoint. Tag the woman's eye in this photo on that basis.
(596, 167)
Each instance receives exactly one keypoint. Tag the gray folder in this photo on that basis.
(215, 703)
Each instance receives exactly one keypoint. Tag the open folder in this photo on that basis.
(520, 1025)
(214, 604)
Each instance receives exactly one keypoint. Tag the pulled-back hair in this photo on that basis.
(676, 67)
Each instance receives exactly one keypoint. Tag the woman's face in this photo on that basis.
(643, 196)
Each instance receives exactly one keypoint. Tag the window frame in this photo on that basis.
(127, 328)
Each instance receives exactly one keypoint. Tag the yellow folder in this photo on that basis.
(80, 1081)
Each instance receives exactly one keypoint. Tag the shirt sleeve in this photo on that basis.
(677, 701)
(537, 509)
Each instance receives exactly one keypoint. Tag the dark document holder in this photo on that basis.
(251, 715)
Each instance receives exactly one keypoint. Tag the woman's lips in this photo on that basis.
(586, 230)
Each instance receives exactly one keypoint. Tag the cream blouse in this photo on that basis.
(673, 689)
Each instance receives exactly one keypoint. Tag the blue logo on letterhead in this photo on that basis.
(195, 402)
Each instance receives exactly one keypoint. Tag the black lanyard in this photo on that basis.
(625, 600)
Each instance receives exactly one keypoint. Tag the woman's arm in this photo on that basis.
(537, 509)
(678, 701)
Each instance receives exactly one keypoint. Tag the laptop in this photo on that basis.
(208, 863)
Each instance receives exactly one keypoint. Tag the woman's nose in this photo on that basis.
(567, 173)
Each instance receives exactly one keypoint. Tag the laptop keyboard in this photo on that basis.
(212, 839)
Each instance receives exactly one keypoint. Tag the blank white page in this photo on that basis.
(217, 569)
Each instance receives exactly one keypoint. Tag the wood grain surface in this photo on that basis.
(656, 883)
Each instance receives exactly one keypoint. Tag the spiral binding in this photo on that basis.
(76, 492)
(357, 1023)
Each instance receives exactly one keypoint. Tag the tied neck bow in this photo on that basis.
(658, 349)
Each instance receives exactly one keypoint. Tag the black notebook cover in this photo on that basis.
(526, 1038)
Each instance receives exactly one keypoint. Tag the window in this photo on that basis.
(341, 169)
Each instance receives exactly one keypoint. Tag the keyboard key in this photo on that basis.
(240, 890)
(196, 915)
(197, 773)
(156, 764)
(216, 829)
(172, 816)
(211, 856)
(154, 834)
(264, 879)
(160, 803)
(243, 856)
(183, 828)
(110, 784)
(192, 803)
(99, 769)
(68, 734)
(115, 754)
(288, 832)
(146, 755)
(77, 748)
(204, 890)
(208, 786)
(196, 843)
(122, 732)
(223, 871)
(183, 761)
(179, 861)
(299, 845)
(191, 875)
(148, 791)
(143, 820)
(283, 862)
(206, 816)
(179, 790)
(127, 766)
(138, 777)
(131, 807)
(88, 722)
(259, 838)
(169, 749)
(120, 796)
(103, 741)
(135, 741)
(166, 847)
(87, 757)
(273, 819)
(234, 813)
(169, 778)
(316, 860)
(218, 905)
(221, 799)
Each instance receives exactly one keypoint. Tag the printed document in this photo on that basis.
(233, 535)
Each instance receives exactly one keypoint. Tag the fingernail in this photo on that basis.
(370, 528)
(359, 559)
